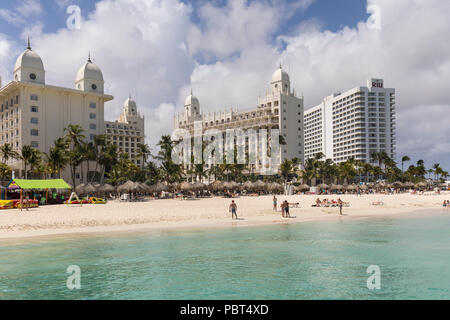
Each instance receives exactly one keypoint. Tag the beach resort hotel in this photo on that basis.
(353, 124)
(279, 109)
(36, 113)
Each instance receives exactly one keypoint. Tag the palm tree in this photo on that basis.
(436, 169)
(286, 169)
(5, 170)
(405, 159)
(56, 160)
(35, 159)
(98, 149)
(7, 152)
(74, 135)
(25, 156)
(143, 152)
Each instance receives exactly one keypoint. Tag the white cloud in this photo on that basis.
(29, 8)
(24, 10)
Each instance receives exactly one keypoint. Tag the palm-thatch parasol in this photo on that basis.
(303, 187)
(90, 189)
(260, 185)
(248, 185)
(185, 186)
(106, 188)
(199, 186)
(275, 187)
(79, 189)
(128, 186)
(323, 186)
(363, 187)
(215, 186)
(351, 187)
(334, 187)
(160, 187)
(398, 184)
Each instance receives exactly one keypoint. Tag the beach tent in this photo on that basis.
(25, 184)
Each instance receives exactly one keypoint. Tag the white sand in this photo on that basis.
(209, 212)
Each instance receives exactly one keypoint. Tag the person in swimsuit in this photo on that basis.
(340, 203)
(274, 203)
(233, 209)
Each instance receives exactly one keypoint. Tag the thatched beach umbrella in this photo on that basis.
(185, 186)
(323, 186)
(334, 187)
(351, 187)
(248, 186)
(79, 189)
(128, 186)
(89, 189)
(106, 188)
(199, 186)
(304, 187)
(215, 186)
(363, 187)
(260, 185)
(275, 187)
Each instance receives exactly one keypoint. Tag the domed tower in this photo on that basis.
(29, 67)
(129, 111)
(90, 78)
(191, 106)
(280, 81)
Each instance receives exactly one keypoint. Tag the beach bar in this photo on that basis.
(21, 185)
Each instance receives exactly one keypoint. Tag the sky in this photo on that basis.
(227, 50)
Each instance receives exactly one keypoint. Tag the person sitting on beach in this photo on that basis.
(233, 209)
(274, 203)
(318, 203)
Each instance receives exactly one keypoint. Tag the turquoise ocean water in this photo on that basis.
(314, 260)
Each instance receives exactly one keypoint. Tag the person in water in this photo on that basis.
(233, 209)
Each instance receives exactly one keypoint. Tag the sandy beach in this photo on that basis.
(201, 213)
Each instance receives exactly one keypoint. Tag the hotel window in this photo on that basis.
(34, 109)
(34, 144)
(35, 132)
(92, 126)
(91, 137)
(34, 120)
(92, 105)
(34, 97)
(92, 116)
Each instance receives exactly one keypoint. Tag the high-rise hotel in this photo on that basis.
(279, 109)
(353, 124)
(36, 113)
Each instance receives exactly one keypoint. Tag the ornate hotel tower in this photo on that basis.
(279, 109)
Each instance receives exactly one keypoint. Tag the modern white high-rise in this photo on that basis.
(353, 124)
(279, 109)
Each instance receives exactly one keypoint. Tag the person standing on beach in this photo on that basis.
(233, 209)
(274, 203)
(286, 211)
(340, 203)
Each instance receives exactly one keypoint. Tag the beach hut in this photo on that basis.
(41, 185)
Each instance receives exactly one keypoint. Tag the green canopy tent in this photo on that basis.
(25, 184)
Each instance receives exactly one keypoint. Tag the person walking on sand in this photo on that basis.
(340, 203)
(286, 211)
(274, 203)
(233, 209)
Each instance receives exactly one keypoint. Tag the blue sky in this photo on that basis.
(227, 50)
(331, 13)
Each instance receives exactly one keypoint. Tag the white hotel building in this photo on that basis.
(279, 109)
(36, 113)
(353, 124)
